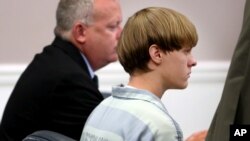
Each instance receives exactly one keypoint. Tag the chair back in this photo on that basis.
(45, 135)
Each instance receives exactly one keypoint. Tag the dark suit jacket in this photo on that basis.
(234, 107)
(55, 93)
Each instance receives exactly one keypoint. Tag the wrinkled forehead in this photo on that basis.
(108, 10)
(107, 6)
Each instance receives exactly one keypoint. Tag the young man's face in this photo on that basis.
(177, 68)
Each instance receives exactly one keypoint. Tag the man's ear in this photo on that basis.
(79, 32)
(155, 53)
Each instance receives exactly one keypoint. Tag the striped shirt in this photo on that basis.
(131, 114)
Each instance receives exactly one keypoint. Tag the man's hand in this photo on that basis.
(198, 136)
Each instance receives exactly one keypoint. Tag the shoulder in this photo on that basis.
(136, 121)
(137, 117)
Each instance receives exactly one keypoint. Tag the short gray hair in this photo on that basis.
(69, 11)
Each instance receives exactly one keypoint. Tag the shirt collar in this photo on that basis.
(91, 72)
(129, 92)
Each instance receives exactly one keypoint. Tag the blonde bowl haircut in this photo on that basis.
(166, 28)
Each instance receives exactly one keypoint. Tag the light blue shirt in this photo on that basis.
(91, 72)
(131, 114)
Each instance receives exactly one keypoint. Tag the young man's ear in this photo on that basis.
(79, 32)
(155, 53)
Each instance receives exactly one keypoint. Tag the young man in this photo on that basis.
(155, 49)
(56, 91)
